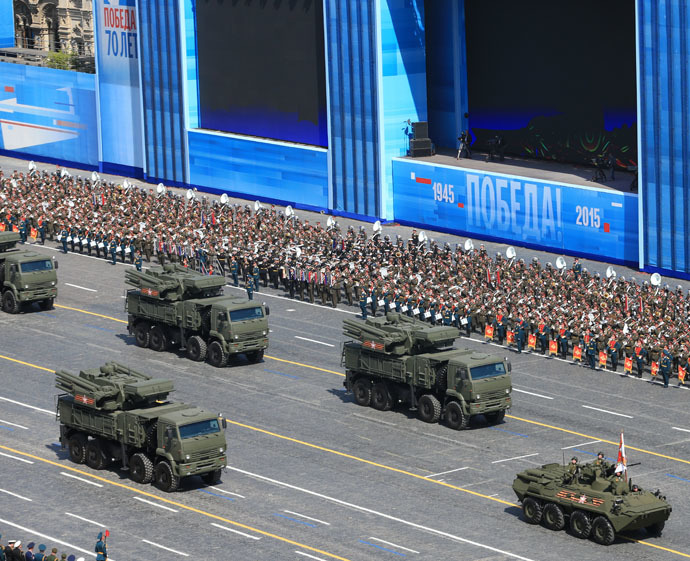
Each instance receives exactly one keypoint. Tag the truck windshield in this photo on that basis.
(35, 266)
(488, 370)
(243, 315)
(199, 429)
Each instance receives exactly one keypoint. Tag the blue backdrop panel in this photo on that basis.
(563, 218)
(116, 31)
(354, 143)
(6, 23)
(664, 76)
(259, 169)
(162, 90)
(48, 113)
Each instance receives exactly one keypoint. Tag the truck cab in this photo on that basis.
(241, 324)
(27, 276)
(480, 382)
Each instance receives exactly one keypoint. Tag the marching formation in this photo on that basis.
(555, 310)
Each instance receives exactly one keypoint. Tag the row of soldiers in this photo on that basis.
(14, 551)
(564, 311)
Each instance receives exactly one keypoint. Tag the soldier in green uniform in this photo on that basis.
(601, 464)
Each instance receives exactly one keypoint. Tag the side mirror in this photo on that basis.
(268, 310)
(55, 262)
(224, 422)
(510, 366)
(169, 434)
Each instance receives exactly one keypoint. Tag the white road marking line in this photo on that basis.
(381, 514)
(582, 444)
(26, 405)
(86, 520)
(307, 517)
(262, 294)
(678, 428)
(166, 548)
(310, 556)
(444, 472)
(15, 495)
(531, 393)
(13, 424)
(16, 458)
(515, 458)
(314, 341)
(155, 504)
(226, 492)
(81, 479)
(235, 531)
(291, 310)
(50, 538)
(607, 411)
(81, 287)
(393, 544)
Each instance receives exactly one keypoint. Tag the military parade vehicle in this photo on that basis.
(173, 306)
(113, 413)
(25, 276)
(398, 359)
(592, 503)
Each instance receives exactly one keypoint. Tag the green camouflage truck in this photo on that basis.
(25, 276)
(173, 306)
(113, 413)
(396, 359)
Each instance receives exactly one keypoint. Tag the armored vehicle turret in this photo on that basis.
(396, 359)
(25, 276)
(593, 503)
(173, 306)
(114, 413)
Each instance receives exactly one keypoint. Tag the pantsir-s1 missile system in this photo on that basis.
(175, 306)
(397, 359)
(114, 413)
(593, 504)
(25, 276)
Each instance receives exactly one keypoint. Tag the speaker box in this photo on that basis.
(420, 130)
(420, 148)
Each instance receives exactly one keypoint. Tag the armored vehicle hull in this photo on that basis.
(590, 503)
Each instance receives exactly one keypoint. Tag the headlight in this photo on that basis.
(237, 336)
(478, 396)
(186, 457)
(220, 450)
(26, 286)
(507, 390)
(52, 283)
(264, 333)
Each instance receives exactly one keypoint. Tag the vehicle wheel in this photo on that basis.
(381, 398)
(255, 356)
(656, 529)
(429, 408)
(455, 417)
(142, 334)
(47, 303)
(212, 477)
(140, 468)
(531, 510)
(361, 390)
(166, 480)
(95, 457)
(158, 339)
(216, 355)
(10, 303)
(196, 348)
(495, 417)
(602, 531)
(553, 517)
(77, 449)
(580, 524)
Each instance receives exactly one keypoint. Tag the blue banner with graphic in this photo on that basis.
(117, 57)
(6, 23)
(558, 217)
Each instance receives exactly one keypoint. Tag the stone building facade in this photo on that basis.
(54, 25)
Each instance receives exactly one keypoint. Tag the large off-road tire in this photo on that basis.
(166, 480)
(429, 408)
(361, 391)
(47, 303)
(255, 356)
(77, 448)
(95, 456)
(532, 510)
(196, 348)
(212, 477)
(381, 398)
(553, 517)
(158, 339)
(455, 416)
(655, 530)
(580, 524)
(216, 355)
(9, 303)
(142, 334)
(496, 417)
(602, 531)
(140, 468)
